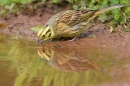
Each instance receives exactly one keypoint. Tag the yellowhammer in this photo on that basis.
(69, 23)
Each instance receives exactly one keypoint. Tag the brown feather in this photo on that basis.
(74, 17)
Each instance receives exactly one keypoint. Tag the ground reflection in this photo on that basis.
(66, 59)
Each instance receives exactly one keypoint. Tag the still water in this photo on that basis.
(22, 63)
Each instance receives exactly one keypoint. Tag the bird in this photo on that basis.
(70, 23)
(68, 60)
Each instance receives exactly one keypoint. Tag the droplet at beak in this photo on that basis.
(40, 41)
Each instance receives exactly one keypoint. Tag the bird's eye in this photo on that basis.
(43, 36)
(49, 35)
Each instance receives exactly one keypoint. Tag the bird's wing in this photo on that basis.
(72, 17)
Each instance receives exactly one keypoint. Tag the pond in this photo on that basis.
(24, 63)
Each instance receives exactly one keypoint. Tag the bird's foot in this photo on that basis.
(74, 39)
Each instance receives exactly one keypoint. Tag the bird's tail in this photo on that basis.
(101, 11)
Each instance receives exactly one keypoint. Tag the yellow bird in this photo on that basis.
(70, 23)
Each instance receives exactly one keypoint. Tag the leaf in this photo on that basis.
(127, 10)
(3, 12)
(115, 1)
(43, 1)
(103, 17)
(36, 28)
(75, 7)
(116, 16)
(127, 30)
(56, 1)
(111, 29)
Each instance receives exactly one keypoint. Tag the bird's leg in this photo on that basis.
(72, 40)
(81, 33)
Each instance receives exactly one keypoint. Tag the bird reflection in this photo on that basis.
(66, 59)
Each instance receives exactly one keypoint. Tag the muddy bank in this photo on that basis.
(19, 25)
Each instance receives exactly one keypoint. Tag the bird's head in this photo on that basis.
(45, 34)
(46, 53)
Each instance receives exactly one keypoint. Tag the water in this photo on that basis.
(22, 63)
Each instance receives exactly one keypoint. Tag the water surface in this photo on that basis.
(23, 63)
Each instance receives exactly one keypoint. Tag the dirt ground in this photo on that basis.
(98, 35)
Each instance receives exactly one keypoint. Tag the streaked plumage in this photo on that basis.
(70, 23)
(68, 60)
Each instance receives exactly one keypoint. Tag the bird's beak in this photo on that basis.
(40, 41)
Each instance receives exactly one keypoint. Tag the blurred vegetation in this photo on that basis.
(119, 16)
